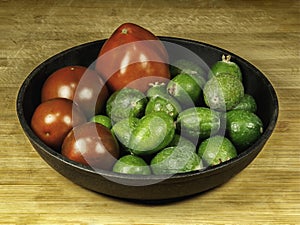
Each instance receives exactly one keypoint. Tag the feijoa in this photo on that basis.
(131, 164)
(157, 89)
(153, 133)
(223, 92)
(243, 128)
(123, 130)
(163, 104)
(102, 119)
(174, 160)
(182, 142)
(186, 88)
(226, 66)
(127, 102)
(247, 103)
(216, 149)
(198, 122)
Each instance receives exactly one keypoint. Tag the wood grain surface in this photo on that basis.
(266, 33)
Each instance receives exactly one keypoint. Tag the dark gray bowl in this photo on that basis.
(132, 186)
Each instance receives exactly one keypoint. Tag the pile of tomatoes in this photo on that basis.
(71, 96)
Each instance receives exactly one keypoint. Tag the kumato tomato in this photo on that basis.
(80, 84)
(135, 56)
(53, 119)
(91, 144)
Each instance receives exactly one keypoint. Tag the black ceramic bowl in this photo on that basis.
(133, 186)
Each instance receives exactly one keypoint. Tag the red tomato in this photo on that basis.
(77, 83)
(91, 144)
(53, 119)
(132, 53)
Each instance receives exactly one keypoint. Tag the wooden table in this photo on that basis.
(266, 33)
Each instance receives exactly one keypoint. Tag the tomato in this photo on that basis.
(91, 144)
(53, 119)
(80, 84)
(132, 57)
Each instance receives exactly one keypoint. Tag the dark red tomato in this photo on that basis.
(132, 57)
(91, 144)
(80, 84)
(52, 120)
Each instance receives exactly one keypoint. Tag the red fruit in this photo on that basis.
(91, 144)
(53, 119)
(80, 84)
(132, 57)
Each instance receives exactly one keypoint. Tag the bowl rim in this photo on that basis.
(211, 170)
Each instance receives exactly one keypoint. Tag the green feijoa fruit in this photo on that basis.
(186, 66)
(154, 132)
(157, 89)
(226, 66)
(123, 130)
(174, 160)
(131, 164)
(243, 128)
(216, 149)
(223, 92)
(127, 102)
(161, 104)
(186, 88)
(247, 103)
(182, 142)
(102, 119)
(198, 122)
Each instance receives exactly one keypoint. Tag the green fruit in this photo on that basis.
(243, 127)
(161, 104)
(223, 92)
(102, 119)
(247, 103)
(182, 142)
(198, 122)
(154, 132)
(226, 66)
(123, 130)
(186, 88)
(131, 164)
(216, 150)
(173, 160)
(157, 89)
(187, 67)
(125, 103)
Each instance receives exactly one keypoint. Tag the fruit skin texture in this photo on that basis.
(53, 119)
(153, 132)
(79, 84)
(186, 88)
(173, 160)
(223, 92)
(131, 164)
(132, 53)
(247, 103)
(198, 122)
(123, 130)
(216, 149)
(91, 144)
(226, 66)
(162, 104)
(243, 128)
(125, 103)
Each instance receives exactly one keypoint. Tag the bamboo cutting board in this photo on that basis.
(266, 33)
